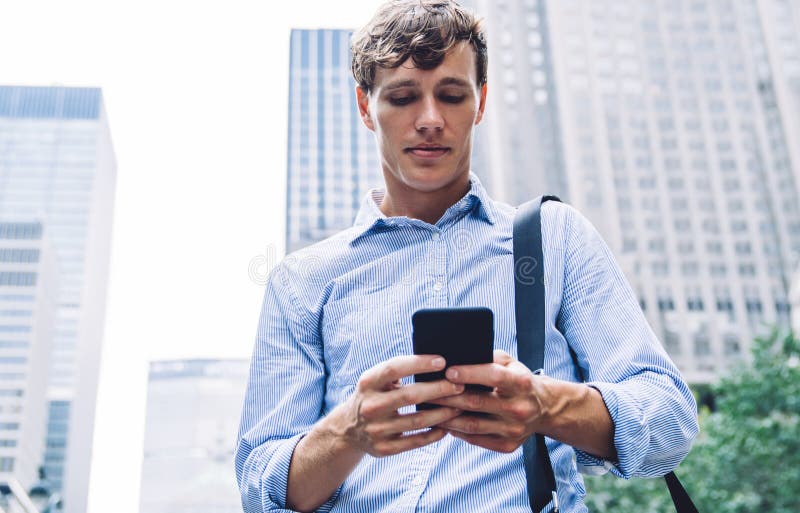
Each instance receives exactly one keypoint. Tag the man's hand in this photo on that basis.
(522, 404)
(369, 423)
(369, 420)
(511, 413)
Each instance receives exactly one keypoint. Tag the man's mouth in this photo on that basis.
(426, 151)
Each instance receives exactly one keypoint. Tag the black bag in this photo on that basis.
(529, 299)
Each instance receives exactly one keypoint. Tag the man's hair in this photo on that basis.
(424, 30)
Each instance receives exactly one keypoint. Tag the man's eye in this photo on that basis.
(401, 100)
(449, 98)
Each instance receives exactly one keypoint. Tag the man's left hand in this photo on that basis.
(518, 406)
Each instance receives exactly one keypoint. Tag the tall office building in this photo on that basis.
(672, 141)
(781, 25)
(57, 165)
(332, 159)
(520, 130)
(27, 316)
(193, 406)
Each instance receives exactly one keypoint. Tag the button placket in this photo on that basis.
(438, 260)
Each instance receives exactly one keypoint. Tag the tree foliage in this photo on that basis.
(746, 458)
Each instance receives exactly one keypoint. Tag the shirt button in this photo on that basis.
(437, 286)
(417, 481)
(435, 236)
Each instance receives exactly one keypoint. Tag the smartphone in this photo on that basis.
(463, 336)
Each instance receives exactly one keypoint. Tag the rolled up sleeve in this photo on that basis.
(653, 411)
(284, 397)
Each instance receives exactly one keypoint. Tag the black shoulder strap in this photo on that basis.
(529, 302)
(530, 317)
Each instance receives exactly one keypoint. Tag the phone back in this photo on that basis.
(463, 336)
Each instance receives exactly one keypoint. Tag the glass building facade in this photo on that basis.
(27, 318)
(193, 406)
(674, 142)
(331, 158)
(57, 165)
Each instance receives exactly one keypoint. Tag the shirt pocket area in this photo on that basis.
(359, 332)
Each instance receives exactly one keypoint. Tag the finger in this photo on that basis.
(489, 374)
(480, 402)
(485, 425)
(491, 442)
(415, 421)
(385, 373)
(424, 392)
(507, 380)
(502, 358)
(404, 443)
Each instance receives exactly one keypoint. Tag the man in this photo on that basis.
(329, 421)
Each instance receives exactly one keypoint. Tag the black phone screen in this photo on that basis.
(463, 336)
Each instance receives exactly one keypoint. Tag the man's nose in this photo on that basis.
(430, 117)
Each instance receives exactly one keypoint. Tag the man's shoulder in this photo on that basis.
(322, 260)
(556, 216)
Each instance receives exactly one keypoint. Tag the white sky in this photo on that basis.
(196, 93)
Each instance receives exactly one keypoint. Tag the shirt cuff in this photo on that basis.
(276, 475)
(631, 434)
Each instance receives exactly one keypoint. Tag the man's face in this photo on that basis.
(423, 121)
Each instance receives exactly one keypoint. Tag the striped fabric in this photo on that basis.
(335, 309)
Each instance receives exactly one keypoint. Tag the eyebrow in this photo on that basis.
(413, 83)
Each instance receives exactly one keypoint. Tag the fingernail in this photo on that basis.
(452, 374)
(437, 363)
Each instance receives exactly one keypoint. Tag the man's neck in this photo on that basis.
(425, 206)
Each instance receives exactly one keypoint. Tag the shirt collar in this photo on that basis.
(370, 219)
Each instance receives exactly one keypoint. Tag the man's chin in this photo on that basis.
(432, 180)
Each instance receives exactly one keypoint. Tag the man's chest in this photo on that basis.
(367, 318)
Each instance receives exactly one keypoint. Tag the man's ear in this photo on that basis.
(362, 98)
(481, 104)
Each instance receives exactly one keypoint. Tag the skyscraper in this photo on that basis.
(27, 317)
(57, 165)
(780, 20)
(332, 159)
(193, 406)
(673, 142)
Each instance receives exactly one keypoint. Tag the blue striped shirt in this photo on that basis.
(335, 309)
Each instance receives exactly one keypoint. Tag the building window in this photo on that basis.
(628, 245)
(6, 464)
(702, 345)
(20, 231)
(665, 304)
(747, 270)
(17, 279)
(660, 268)
(672, 342)
(656, 245)
(694, 304)
(690, 269)
(754, 306)
(743, 248)
(19, 255)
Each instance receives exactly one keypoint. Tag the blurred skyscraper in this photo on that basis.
(193, 406)
(781, 24)
(669, 132)
(57, 165)
(27, 317)
(332, 159)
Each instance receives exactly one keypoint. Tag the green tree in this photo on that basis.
(746, 458)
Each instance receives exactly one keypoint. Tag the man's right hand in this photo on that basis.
(369, 421)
